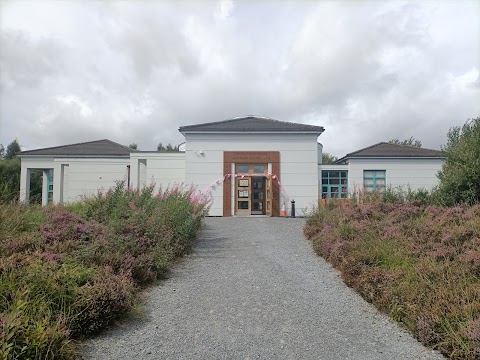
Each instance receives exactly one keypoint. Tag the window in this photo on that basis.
(259, 169)
(334, 184)
(374, 180)
(242, 169)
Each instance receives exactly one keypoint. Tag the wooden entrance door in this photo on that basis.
(251, 186)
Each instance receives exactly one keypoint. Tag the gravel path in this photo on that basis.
(254, 289)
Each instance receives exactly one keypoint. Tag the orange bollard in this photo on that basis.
(284, 212)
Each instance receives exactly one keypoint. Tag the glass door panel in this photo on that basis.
(258, 196)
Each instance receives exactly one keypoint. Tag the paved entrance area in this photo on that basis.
(254, 289)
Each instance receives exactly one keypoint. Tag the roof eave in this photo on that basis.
(94, 156)
(252, 132)
(391, 157)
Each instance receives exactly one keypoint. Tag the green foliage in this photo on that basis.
(420, 264)
(168, 148)
(10, 176)
(460, 173)
(328, 158)
(402, 194)
(133, 146)
(9, 180)
(399, 194)
(409, 142)
(12, 150)
(68, 272)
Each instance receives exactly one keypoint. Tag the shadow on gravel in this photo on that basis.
(210, 245)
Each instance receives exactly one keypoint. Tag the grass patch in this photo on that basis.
(68, 272)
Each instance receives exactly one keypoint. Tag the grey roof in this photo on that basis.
(251, 123)
(387, 150)
(92, 148)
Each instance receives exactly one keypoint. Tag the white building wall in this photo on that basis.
(162, 169)
(32, 163)
(298, 163)
(320, 154)
(85, 177)
(415, 173)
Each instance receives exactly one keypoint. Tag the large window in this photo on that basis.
(334, 184)
(374, 180)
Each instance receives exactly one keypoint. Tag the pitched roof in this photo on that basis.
(92, 148)
(387, 150)
(251, 123)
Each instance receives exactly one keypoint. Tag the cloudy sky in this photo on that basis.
(134, 71)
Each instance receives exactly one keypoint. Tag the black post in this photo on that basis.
(128, 177)
(292, 214)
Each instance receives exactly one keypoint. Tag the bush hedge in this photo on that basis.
(420, 264)
(67, 272)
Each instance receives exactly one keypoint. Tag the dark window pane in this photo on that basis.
(258, 169)
(242, 169)
(243, 205)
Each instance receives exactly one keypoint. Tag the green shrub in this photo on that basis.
(459, 176)
(67, 272)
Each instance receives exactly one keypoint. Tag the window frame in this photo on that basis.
(375, 177)
(336, 184)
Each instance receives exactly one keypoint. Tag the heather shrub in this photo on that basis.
(420, 264)
(100, 301)
(67, 272)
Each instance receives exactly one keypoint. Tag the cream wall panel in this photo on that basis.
(87, 176)
(162, 169)
(413, 173)
(300, 168)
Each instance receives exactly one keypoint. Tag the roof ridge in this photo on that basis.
(247, 118)
(225, 120)
(59, 146)
(78, 144)
(409, 146)
(365, 148)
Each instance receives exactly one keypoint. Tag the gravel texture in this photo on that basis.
(254, 289)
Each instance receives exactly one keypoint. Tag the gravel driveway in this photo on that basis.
(254, 289)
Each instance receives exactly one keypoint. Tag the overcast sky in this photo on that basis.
(133, 71)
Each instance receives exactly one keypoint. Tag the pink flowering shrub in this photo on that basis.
(67, 272)
(420, 264)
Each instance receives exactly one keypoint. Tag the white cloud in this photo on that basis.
(136, 71)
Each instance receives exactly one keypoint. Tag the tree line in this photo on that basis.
(160, 147)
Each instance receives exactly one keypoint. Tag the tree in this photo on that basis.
(168, 148)
(328, 158)
(460, 173)
(133, 146)
(12, 150)
(409, 142)
(10, 167)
